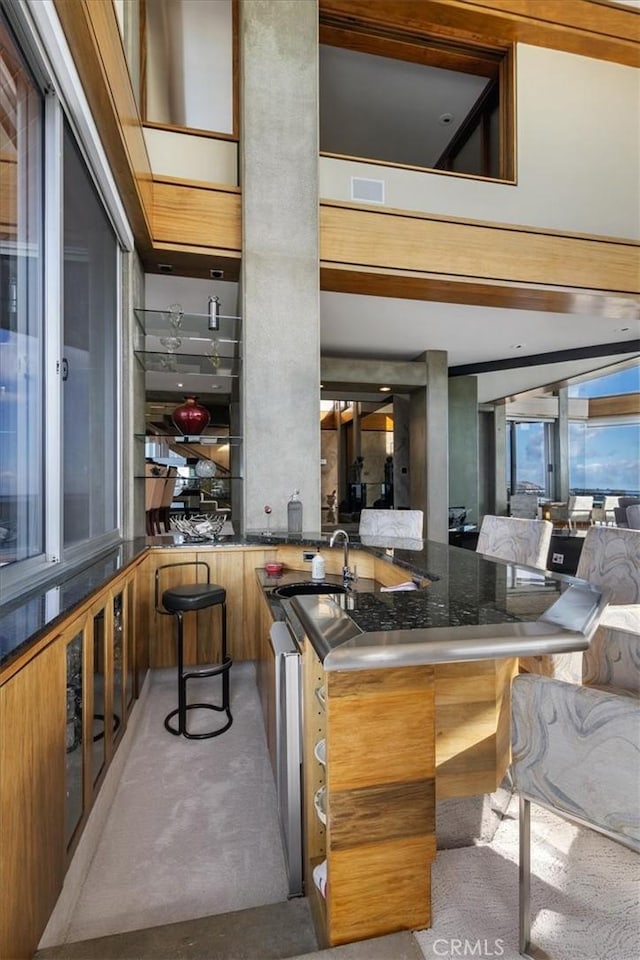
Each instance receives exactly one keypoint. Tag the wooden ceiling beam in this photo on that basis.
(410, 255)
(604, 31)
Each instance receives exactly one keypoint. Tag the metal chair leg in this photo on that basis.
(183, 706)
(524, 876)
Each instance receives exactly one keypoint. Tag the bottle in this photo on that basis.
(294, 513)
(317, 567)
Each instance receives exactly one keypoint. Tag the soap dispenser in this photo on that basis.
(317, 567)
(294, 513)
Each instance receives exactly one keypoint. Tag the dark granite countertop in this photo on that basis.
(24, 620)
(465, 588)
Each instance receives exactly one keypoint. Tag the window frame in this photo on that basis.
(43, 45)
(497, 63)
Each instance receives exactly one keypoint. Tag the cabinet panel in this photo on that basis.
(227, 570)
(160, 627)
(118, 654)
(77, 676)
(257, 617)
(130, 684)
(32, 790)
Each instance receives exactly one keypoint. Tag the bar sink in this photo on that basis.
(307, 586)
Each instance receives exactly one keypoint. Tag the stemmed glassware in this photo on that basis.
(176, 313)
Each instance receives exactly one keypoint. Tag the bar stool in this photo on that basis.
(176, 601)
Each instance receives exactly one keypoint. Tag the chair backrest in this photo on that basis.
(169, 487)
(580, 507)
(524, 505)
(391, 523)
(515, 540)
(633, 516)
(610, 558)
(154, 485)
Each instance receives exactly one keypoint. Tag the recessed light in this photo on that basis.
(445, 119)
(516, 346)
(179, 384)
(623, 329)
(384, 389)
(165, 267)
(216, 274)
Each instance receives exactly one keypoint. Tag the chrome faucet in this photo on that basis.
(347, 575)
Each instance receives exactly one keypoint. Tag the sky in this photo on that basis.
(602, 456)
(625, 381)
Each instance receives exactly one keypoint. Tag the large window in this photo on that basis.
(90, 368)
(604, 457)
(528, 457)
(59, 279)
(21, 335)
(604, 450)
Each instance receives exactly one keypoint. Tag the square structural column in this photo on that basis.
(280, 268)
(429, 432)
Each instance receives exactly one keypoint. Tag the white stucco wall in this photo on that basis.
(578, 155)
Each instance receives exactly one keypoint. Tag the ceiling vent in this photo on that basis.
(367, 191)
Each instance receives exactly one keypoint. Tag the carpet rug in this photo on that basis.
(585, 895)
(193, 829)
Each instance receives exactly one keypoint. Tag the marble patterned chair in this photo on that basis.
(576, 748)
(391, 523)
(576, 751)
(610, 558)
(633, 516)
(515, 540)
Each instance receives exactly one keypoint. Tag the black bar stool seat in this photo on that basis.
(193, 596)
(177, 601)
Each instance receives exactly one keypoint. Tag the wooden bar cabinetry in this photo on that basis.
(63, 710)
(379, 798)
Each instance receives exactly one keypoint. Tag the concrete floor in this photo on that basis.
(271, 932)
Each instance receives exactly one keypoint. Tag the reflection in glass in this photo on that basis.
(129, 687)
(21, 333)
(98, 751)
(90, 350)
(74, 762)
(118, 654)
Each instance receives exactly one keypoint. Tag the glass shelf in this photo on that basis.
(215, 481)
(202, 439)
(188, 363)
(186, 325)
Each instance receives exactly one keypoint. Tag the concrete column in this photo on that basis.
(560, 485)
(463, 444)
(280, 282)
(429, 433)
(500, 459)
(401, 493)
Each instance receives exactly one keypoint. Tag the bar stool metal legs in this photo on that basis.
(176, 601)
(184, 675)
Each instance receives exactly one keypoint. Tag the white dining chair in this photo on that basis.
(391, 523)
(515, 540)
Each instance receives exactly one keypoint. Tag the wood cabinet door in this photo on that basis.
(32, 798)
